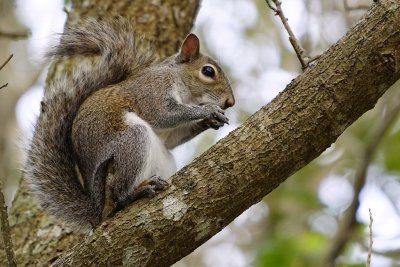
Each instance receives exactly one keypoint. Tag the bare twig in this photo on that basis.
(2, 66)
(14, 35)
(304, 60)
(370, 239)
(3, 86)
(66, 10)
(5, 231)
(5, 62)
(349, 222)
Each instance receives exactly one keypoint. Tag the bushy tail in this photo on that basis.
(50, 167)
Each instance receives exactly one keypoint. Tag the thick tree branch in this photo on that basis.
(253, 160)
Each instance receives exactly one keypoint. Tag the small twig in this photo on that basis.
(5, 231)
(5, 62)
(299, 50)
(370, 239)
(2, 66)
(14, 35)
(349, 222)
(3, 86)
(271, 7)
(65, 10)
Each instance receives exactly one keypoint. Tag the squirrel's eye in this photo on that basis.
(208, 71)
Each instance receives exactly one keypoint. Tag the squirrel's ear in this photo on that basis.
(189, 50)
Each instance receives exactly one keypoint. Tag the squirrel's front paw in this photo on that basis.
(212, 123)
(217, 115)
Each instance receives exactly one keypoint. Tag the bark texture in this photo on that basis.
(298, 125)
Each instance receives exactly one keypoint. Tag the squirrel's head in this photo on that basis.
(203, 76)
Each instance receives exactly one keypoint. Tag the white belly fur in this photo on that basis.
(159, 160)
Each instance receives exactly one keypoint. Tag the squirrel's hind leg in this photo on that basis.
(131, 151)
(147, 188)
(137, 164)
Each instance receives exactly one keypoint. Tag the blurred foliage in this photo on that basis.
(283, 251)
(390, 151)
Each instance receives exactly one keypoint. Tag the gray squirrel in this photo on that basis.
(124, 110)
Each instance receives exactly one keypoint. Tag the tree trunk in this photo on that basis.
(297, 126)
(39, 239)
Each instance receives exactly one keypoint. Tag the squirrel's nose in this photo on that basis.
(229, 102)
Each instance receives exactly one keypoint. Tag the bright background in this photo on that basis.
(294, 225)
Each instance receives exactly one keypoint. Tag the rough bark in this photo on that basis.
(253, 160)
(282, 137)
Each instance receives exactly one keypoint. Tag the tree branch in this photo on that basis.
(4, 86)
(298, 125)
(5, 231)
(2, 66)
(371, 241)
(298, 49)
(14, 35)
(5, 62)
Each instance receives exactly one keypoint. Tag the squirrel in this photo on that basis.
(125, 109)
